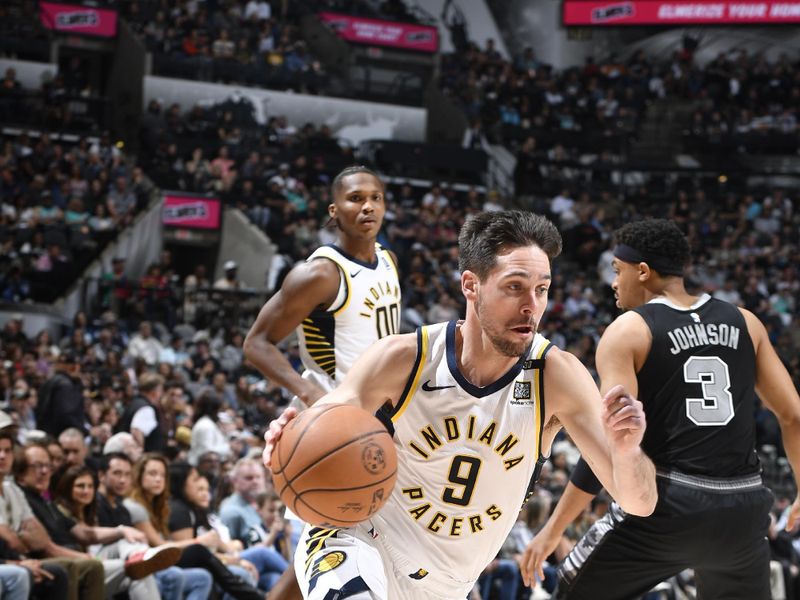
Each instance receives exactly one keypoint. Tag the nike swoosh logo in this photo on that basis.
(432, 388)
(356, 273)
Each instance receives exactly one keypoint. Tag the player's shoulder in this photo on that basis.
(561, 365)
(755, 327)
(401, 345)
(320, 272)
(629, 331)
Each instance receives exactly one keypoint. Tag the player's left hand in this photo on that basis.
(794, 515)
(623, 419)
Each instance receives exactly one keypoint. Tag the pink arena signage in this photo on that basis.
(679, 12)
(407, 36)
(73, 18)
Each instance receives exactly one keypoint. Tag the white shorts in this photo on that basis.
(350, 563)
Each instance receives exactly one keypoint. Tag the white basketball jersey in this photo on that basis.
(467, 456)
(366, 309)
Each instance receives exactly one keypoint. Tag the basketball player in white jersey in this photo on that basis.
(475, 407)
(342, 299)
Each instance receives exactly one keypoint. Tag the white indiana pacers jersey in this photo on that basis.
(467, 456)
(366, 309)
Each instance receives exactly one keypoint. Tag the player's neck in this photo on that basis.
(675, 292)
(477, 358)
(363, 250)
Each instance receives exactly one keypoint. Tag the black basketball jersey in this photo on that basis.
(697, 387)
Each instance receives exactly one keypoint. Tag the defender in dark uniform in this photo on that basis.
(696, 364)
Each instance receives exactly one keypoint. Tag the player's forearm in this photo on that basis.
(571, 504)
(634, 482)
(790, 432)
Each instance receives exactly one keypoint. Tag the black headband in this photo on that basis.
(662, 264)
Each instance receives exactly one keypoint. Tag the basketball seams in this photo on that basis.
(332, 451)
(322, 410)
(299, 498)
(326, 457)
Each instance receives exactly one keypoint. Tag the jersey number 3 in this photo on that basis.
(716, 405)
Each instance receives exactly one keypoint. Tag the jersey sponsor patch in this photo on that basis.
(522, 390)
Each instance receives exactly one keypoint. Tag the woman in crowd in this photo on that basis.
(75, 497)
(149, 507)
(190, 517)
(206, 433)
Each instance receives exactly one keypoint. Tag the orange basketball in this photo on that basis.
(334, 465)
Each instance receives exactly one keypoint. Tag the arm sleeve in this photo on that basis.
(583, 478)
(137, 511)
(179, 517)
(145, 420)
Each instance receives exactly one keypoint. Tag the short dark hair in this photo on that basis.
(105, 461)
(7, 434)
(353, 170)
(485, 235)
(658, 237)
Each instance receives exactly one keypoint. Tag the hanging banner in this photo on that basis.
(680, 12)
(72, 18)
(190, 212)
(407, 36)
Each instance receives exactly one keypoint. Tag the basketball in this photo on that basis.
(334, 465)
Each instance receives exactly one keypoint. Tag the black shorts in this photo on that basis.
(717, 527)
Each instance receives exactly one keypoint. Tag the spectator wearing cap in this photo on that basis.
(61, 403)
(141, 416)
(229, 281)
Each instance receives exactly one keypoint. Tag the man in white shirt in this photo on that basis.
(140, 416)
(260, 8)
(144, 345)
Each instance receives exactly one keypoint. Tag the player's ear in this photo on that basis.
(332, 210)
(644, 272)
(469, 285)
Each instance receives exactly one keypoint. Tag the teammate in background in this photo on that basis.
(466, 406)
(342, 299)
(696, 363)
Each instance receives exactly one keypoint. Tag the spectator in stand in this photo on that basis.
(143, 345)
(114, 484)
(141, 416)
(121, 202)
(72, 443)
(239, 511)
(229, 281)
(190, 516)
(206, 433)
(22, 534)
(61, 397)
(148, 505)
(126, 567)
(123, 443)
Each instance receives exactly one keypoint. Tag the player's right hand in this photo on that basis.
(273, 434)
(540, 547)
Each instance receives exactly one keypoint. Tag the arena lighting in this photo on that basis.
(678, 12)
(722, 178)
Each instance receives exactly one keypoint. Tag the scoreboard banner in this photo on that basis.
(406, 36)
(73, 18)
(678, 12)
(190, 212)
